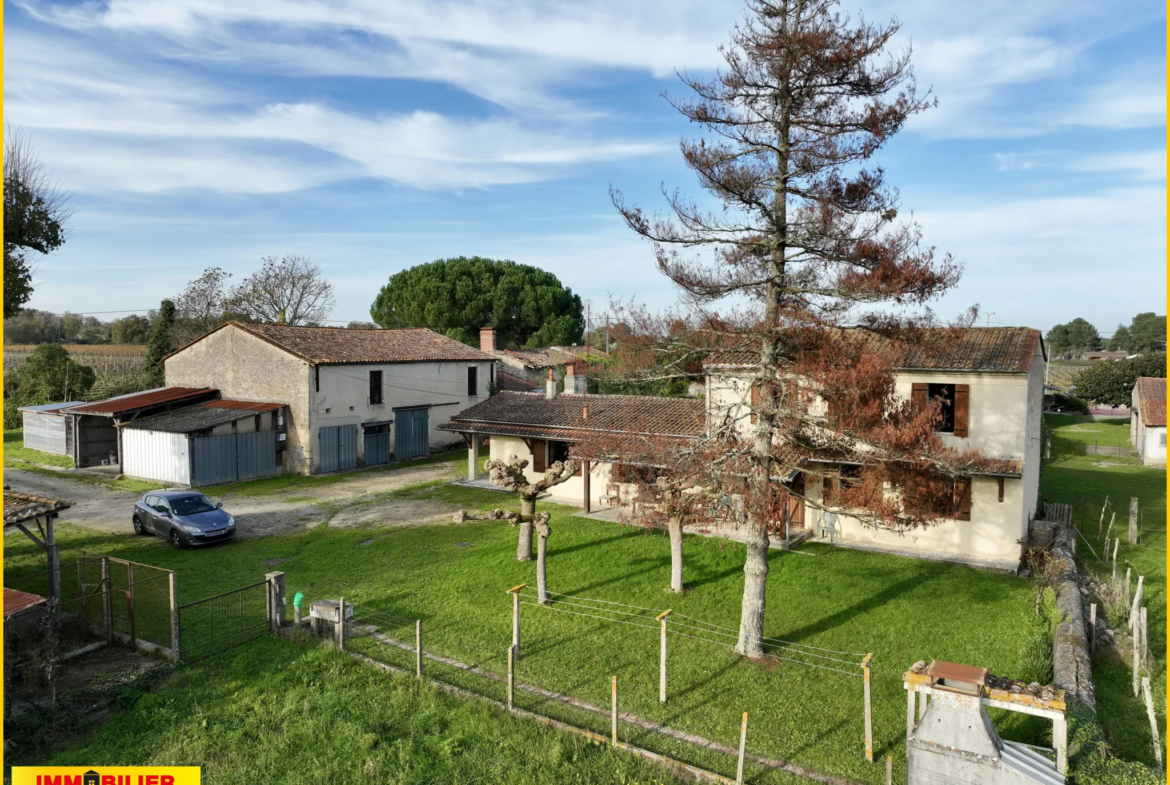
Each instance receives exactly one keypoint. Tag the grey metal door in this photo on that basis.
(377, 447)
(256, 455)
(213, 459)
(338, 447)
(411, 433)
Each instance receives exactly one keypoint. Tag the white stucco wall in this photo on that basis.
(1153, 450)
(572, 491)
(344, 395)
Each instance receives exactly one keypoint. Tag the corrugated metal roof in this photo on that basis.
(247, 406)
(141, 400)
(20, 507)
(51, 407)
(196, 418)
(16, 601)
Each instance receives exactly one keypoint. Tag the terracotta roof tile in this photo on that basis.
(342, 345)
(513, 383)
(535, 416)
(1151, 393)
(16, 601)
(20, 507)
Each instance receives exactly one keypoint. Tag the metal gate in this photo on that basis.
(377, 444)
(411, 433)
(217, 623)
(232, 457)
(338, 447)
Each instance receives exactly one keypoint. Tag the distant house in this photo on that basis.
(1100, 356)
(353, 397)
(532, 365)
(1147, 423)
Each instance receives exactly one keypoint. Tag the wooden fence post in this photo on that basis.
(418, 654)
(614, 715)
(107, 601)
(1145, 637)
(511, 678)
(911, 696)
(174, 602)
(515, 592)
(742, 750)
(1137, 601)
(1092, 628)
(1136, 634)
(1147, 694)
(1133, 520)
(1116, 542)
(889, 770)
(341, 625)
(130, 605)
(662, 658)
(1060, 742)
(865, 665)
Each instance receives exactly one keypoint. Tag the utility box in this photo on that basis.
(954, 740)
(324, 614)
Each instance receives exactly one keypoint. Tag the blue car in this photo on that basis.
(184, 517)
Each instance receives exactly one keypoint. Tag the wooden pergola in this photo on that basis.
(25, 510)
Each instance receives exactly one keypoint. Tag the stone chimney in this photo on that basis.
(550, 387)
(487, 339)
(575, 381)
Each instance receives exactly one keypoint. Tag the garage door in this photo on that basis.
(377, 443)
(232, 457)
(411, 433)
(338, 447)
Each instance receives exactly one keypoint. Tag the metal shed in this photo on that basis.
(209, 443)
(46, 428)
(95, 435)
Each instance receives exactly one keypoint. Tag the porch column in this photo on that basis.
(585, 482)
(473, 457)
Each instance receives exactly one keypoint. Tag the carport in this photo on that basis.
(96, 436)
(22, 510)
(208, 443)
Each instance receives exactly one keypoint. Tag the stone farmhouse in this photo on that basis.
(991, 381)
(1147, 425)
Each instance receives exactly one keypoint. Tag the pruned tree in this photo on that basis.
(289, 290)
(204, 304)
(35, 213)
(821, 284)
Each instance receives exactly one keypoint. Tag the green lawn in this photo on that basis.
(1083, 480)
(277, 711)
(14, 449)
(455, 577)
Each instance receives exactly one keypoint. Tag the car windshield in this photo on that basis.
(191, 505)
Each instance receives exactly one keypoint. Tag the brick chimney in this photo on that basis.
(550, 387)
(575, 381)
(487, 339)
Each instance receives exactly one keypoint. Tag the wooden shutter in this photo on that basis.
(962, 408)
(918, 396)
(755, 400)
(539, 455)
(963, 498)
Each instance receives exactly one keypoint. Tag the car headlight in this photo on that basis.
(191, 530)
(231, 521)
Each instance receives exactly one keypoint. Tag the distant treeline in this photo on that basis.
(34, 327)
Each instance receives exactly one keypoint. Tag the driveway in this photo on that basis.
(360, 500)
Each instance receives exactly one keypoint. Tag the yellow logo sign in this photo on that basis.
(106, 775)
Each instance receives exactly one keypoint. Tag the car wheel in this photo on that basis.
(176, 542)
(138, 527)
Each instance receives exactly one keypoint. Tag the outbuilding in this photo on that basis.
(46, 428)
(208, 443)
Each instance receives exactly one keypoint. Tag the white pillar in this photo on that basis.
(473, 458)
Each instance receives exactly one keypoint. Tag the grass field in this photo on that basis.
(454, 578)
(1085, 481)
(18, 454)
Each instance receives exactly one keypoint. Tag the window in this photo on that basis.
(192, 505)
(1162, 439)
(955, 400)
(375, 388)
(946, 394)
(472, 382)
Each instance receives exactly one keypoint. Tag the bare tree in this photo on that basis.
(35, 213)
(204, 304)
(820, 283)
(289, 290)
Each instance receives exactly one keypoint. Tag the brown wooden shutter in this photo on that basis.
(918, 396)
(539, 455)
(962, 408)
(755, 400)
(963, 497)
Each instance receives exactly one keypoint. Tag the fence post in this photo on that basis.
(1137, 601)
(911, 695)
(418, 656)
(1145, 637)
(1136, 634)
(1060, 742)
(742, 750)
(1092, 628)
(868, 710)
(276, 599)
(889, 770)
(130, 605)
(511, 678)
(174, 601)
(515, 592)
(614, 715)
(341, 625)
(662, 658)
(1148, 696)
(107, 601)
(1133, 518)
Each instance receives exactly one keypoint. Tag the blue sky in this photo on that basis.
(373, 135)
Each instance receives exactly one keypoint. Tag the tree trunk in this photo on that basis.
(755, 575)
(524, 546)
(675, 527)
(541, 576)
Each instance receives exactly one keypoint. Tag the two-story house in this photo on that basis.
(353, 397)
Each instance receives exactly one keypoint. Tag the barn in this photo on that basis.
(46, 428)
(208, 443)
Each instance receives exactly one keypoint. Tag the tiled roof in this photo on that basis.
(142, 400)
(198, 418)
(535, 416)
(513, 383)
(548, 357)
(343, 345)
(16, 601)
(21, 507)
(977, 350)
(1151, 393)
